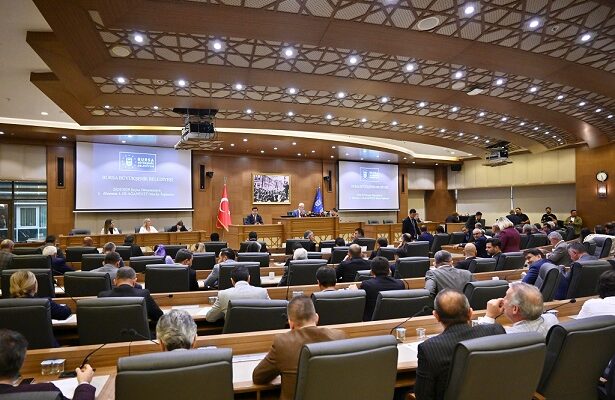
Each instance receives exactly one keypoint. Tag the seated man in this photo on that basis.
(381, 281)
(559, 253)
(111, 264)
(425, 236)
(176, 330)
(110, 246)
(326, 278)
(469, 251)
(435, 355)
(535, 259)
(184, 257)
(357, 234)
(254, 217)
(480, 241)
(58, 264)
(88, 242)
(51, 240)
(347, 269)
(381, 242)
(125, 280)
(262, 247)
(227, 256)
(310, 236)
(298, 254)
(240, 278)
(576, 252)
(523, 306)
(13, 348)
(494, 249)
(445, 276)
(283, 356)
(605, 304)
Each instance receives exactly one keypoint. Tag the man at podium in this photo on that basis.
(300, 211)
(254, 218)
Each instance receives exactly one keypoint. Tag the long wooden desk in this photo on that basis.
(141, 239)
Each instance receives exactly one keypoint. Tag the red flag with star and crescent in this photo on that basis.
(224, 211)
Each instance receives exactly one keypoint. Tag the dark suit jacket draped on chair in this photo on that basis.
(153, 311)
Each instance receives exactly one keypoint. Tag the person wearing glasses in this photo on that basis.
(480, 241)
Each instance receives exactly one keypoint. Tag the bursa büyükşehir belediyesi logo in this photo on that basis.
(138, 162)
(370, 174)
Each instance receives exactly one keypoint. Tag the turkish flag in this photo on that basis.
(224, 211)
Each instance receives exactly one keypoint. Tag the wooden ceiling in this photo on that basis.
(402, 70)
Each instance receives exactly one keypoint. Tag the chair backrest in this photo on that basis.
(400, 303)
(44, 278)
(202, 261)
(22, 251)
(215, 247)
(172, 249)
(523, 241)
(482, 265)
(372, 222)
(363, 275)
(388, 221)
(224, 279)
(82, 284)
(339, 306)
(243, 246)
(139, 263)
(120, 314)
(577, 353)
(92, 261)
(124, 251)
(511, 260)
(548, 280)
(78, 231)
(29, 261)
(303, 272)
(388, 253)
(370, 243)
(369, 365)
(569, 234)
(338, 254)
(255, 315)
(439, 239)
(323, 244)
(590, 246)
(31, 318)
(411, 267)
(457, 237)
(417, 249)
(537, 240)
(261, 258)
(167, 278)
(480, 292)
(479, 364)
(74, 254)
(33, 396)
(603, 246)
(314, 255)
(290, 245)
(584, 277)
(165, 372)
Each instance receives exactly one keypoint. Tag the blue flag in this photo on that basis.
(318, 208)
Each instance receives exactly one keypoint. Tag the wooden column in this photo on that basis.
(60, 200)
(439, 203)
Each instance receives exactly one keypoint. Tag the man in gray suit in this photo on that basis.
(559, 254)
(240, 278)
(445, 276)
(111, 264)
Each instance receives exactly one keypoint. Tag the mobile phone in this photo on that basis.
(67, 374)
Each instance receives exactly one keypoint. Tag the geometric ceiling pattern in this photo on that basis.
(539, 74)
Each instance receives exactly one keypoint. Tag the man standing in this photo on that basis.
(283, 356)
(240, 278)
(347, 269)
(254, 218)
(445, 276)
(184, 257)
(6, 253)
(410, 224)
(469, 251)
(473, 220)
(559, 253)
(535, 259)
(435, 355)
(480, 241)
(494, 249)
(548, 216)
(575, 222)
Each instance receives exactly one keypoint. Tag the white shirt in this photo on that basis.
(540, 325)
(115, 231)
(151, 230)
(593, 307)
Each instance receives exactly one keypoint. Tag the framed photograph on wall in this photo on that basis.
(270, 189)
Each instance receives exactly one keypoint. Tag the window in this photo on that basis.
(23, 210)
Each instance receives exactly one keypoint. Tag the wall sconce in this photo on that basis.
(602, 192)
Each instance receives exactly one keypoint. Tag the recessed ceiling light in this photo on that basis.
(436, 163)
(347, 154)
(586, 37)
(294, 143)
(405, 158)
(221, 148)
(393, 123)
(290, 113)
(422, 104)
(361, 158)
(534, 23)
(469, 154)
(238, 86)
(452, 152)
(409, 67)
(521, 123)
(475, 137)
(455, 109)
(458, 75)
(363, 120)
(289, 52)
(378, 156)
(460, 134)
(554, 137)
(504, 119)
(547, 132)
(340, 95)
(1, 132)
(64, 137)
(329, 116)
(156, 108)
(275, 148)
(533, 89)
(420, 126)
(332, 156)
(384, 99)
(299, 154)
(245, 140)
(610, 116)
(249, 111)
(581, 104)
(181, 83)
(481, 114)
(262, 151)
(123, 141)
(598, 109)
(442, 130)
(353, 60)
(292, 90)
(332, 147)
(217, 45)
(413, 162)
(120, 79)
(388, 160)
(107, 106)
(499, 82)
(469, 10)
(232, 144)
(535, 128)
(44, 113)
(561, 96)
(313, 151)
(487, 141)
(137, 37)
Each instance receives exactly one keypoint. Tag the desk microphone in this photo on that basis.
(571, 301)
(133, 333)
(64, 291)
(423, 310)
(73, 374)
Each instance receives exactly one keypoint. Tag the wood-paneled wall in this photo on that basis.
(440, 202)
(60, 200)
(592, 209)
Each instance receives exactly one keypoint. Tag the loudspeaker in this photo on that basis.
(329, 181)
(456, 167)
(210, 174)
(201, 177)
(403, 183)
(60, 172)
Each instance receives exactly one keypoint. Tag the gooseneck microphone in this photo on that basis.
(133, 333)
(423, 310)
(571, 301)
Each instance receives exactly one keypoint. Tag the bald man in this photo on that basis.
(469, 251)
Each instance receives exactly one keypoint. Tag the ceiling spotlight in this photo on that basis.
(504, 119)
(598, 109)
(156, 108)
(275, 148)
(560, 97)
(347, 154)
(289, 52)
(547, 132)
(405, 158)
(460, 134)
(452, 152)
(64, 137)
(329, 116)
(332, 157)
(586, 37)
(521, 123)
(581, 104)
(481, 114)
(394, 123)
(1, 132)
(499, 82)
(363, 120)
(238, 86)
(294, 143)
(469, 10)
(409, 67)
(299, 154)
(290, 113)
(181, 83)
(458, 75)
(137, 37)
(313, 151)
(533, 89)
(475, 137)
(120, 79)
(534, 23)
(420, 126)
(487, 141)
(44, 113)
(217, 45)
(422, 104)
(455, 109)
(340, 95)
(413, 162)
(249, 111)
(442, 130)
(609, 116)
(332, 147)
(384, 99)
(436, 163)
(245, 140)
(262, 151)
(292, 90)
(535, 128)
(232, 144)
(353, 60)
(107, 106)
(123, 141)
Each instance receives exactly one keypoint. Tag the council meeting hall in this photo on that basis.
(307, 199)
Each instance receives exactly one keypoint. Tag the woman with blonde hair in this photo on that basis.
(509, 236)
(147, 227)
(23, 284)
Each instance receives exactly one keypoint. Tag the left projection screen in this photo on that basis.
(116, 177)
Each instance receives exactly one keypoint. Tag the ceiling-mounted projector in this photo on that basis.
(199, 131)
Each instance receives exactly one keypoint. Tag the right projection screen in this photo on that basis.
(367, 186)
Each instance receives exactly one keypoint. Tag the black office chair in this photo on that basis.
(172, 373)
(457, 237)
(338, 254)
(261, 258)
(224, 279)
(603, 246)
(120, 315)
(125, 252)
(215, 247)
(30, 261)
(339, 306)
(92, 261)
(203, 261)
(290, 245)
(388, 221)
(482, 265)
(372, 222)
(577, 353)
(479, 364)
(22, 251)
(33, 396)
(369, 365)
(411, 267)
(606, 391)
(584, 277)
(172, 249)
(139, 263)
(31, 318)
(590, 246)
(524, 238)
(326, 244)
(74, 254)
(439, 240)
(363, 275)
(303, 272)
(314, 255)
(82, 284)
(388, 253)
(480, 292)
(78, 231)
(370, 243)
(537, 240)
(167, 278)
(401, 303)
(510, 260)
(44, 278)
(548, 280)
(255, 315)
(243, 246)
(417, 249)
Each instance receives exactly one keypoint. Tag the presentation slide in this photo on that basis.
(367, 186)
(117, 177)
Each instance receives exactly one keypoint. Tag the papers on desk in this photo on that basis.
(192, 309)
(326, 250)
(249, 357)
(68, 321)
(68, 386)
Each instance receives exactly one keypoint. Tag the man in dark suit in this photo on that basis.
(13, 348)
(494, 249)
(283, 356)
(125, 280)
(381, 281)
(184, 257)
(473, 220)
(480, 242)
(469, 251)
(410, 224)
(347, 269)
(254, 218)
(435, 355)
